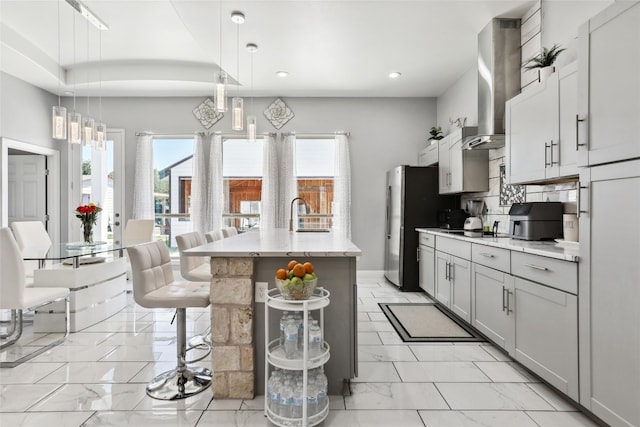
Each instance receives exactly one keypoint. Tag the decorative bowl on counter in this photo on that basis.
(296, 288)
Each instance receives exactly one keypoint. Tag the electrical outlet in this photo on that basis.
(261, 291)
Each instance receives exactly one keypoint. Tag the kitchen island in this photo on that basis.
(237, 263)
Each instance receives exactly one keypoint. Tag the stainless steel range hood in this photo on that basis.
(498, 80)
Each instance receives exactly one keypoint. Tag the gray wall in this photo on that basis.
(384, 132)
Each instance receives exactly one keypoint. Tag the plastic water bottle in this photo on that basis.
(296, 407)
(315, 339)
(283, 323)
(312, 397)
(321, 379)
(291, 339)
(286, 400)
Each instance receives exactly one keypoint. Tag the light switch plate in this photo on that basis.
(261, 291)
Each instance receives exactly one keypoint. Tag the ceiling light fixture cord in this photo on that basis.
(59, 53)
(100, 74)
(74, 63)
(88, 86)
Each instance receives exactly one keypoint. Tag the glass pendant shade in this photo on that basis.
(220, 95)
(101, 135)
(237, 118)
(75, 123)
(88, 131)
(58, 122)
(251, 128)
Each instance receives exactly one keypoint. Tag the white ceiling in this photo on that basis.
(172, 48)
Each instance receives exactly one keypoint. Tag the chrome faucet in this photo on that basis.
(291, 211)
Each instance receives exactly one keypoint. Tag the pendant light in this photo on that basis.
(58, 112)
(101, 128)
(74, 119)
(251, 118)
(220, 91)
(88, 124)
(237, 111)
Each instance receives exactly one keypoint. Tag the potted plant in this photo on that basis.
(544, 62)
(435, 134)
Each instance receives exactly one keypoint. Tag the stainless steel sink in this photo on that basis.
(313, 230)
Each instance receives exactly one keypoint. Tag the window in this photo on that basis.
(315, 159)
(242, 172)
(173, 169)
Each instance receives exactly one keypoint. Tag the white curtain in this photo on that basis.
(269, 198)
(288, 181)
(201, 215)
(342, 188)
(143, 206)
(216, 190)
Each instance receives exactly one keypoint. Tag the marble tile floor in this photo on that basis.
(98, 376)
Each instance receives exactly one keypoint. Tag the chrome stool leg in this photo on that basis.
(183, 381)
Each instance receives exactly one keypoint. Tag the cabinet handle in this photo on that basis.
(504, 298)
(418, 254)
(578, 120)
(551, 153)
(446, 271)
(579, 210)
(509, 310)
(485, 254)
(537, 267)
(451, 271)
(545, 156)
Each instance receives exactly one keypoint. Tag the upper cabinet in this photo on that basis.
(609, 83)
(429, 155)
(541, 137)
(461, 171)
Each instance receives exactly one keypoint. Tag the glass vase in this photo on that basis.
(87, 232)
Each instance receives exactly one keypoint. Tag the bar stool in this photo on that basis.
(193, 268)
(154, 287)
(213, 236)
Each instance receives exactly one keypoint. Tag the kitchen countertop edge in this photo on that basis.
(543, 248)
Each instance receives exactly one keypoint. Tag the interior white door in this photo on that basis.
(27, 188)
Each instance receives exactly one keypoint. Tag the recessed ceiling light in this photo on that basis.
(252, 47)
(282, 73)
(395, 75)
(237, 17)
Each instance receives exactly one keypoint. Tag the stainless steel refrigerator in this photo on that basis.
(413, 201)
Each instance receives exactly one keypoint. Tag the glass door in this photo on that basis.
(103, 184)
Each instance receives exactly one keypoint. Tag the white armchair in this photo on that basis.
(33, 240)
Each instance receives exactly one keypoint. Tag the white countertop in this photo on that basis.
(279, 242)
(544, 248)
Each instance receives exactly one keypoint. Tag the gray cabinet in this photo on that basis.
(610, 292)
(492, 315)
(546, 333)
(461, 171)
(429, 155)
(609, 82)
(541, 132)
(453, 276)
(426, 263)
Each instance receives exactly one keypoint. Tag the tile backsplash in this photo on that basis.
(494, 211)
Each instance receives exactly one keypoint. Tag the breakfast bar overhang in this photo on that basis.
(237, 329)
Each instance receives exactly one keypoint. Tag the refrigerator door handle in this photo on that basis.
(388, 213)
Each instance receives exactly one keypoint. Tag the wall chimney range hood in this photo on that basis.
(498, 80)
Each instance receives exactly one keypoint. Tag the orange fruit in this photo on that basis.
(291, 264)
(308, 267)
(281, 274)
(298, 270)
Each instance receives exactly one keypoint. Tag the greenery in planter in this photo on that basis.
(545, 58)
(436, 133)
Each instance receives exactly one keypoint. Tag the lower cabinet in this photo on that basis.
(453, 284)
(427, 269)
(491, 314)
(546, 333)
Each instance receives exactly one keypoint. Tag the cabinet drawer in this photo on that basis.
(454, 247)
(562, 275)
(497, 258)
(427, 239)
